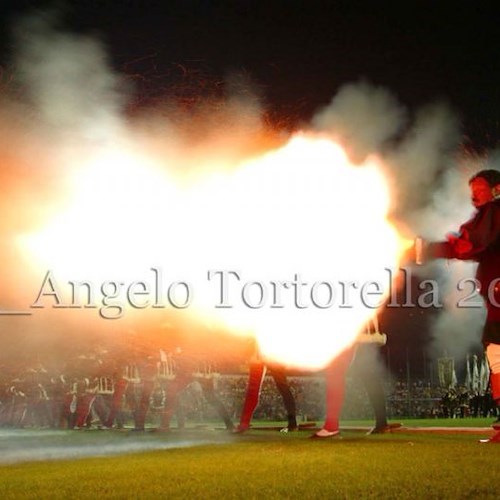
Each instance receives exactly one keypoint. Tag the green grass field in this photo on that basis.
(214, 464)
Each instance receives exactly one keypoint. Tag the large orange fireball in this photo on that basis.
(292, 247)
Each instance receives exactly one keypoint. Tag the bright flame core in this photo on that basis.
(295, 225)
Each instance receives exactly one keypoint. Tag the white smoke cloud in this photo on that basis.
(68, 80)
(422, 155)
(458, 328)
(448, 206)
(362, 118)
(29, 445)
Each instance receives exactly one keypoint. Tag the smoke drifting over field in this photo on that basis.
(30, 445)
(65, 113)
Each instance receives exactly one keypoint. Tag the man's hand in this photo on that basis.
(460, 245)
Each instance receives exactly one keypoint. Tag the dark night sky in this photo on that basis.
(299, 53)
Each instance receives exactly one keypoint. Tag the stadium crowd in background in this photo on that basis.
(83, 395)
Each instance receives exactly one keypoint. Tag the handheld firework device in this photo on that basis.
(419, 250)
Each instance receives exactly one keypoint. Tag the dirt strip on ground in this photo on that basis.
(430, 430)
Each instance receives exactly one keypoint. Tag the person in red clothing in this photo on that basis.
(147, 370)
(126, 377)
(479, 240)
(335, 374)
(362, 355)
(190, 367)
(84, 389)
(257, 372)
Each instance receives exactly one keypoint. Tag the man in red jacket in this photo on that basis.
(479, 240)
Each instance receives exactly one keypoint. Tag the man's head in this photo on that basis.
(484, 186)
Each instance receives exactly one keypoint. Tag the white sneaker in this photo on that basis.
(323, 433)
(286, 430)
